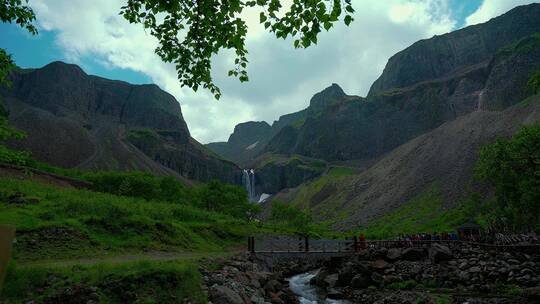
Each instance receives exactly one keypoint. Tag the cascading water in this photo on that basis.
(249, 184)
(308, 294)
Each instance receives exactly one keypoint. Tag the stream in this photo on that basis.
(308, 294)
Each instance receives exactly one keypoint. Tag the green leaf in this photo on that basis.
(348, 20)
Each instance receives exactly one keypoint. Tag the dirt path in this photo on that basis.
(155, 256)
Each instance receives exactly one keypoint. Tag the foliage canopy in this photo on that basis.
(191, 32)
(513, 168)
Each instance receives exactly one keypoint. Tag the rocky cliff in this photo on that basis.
(75, 120)
(444, 156)
(432, 82)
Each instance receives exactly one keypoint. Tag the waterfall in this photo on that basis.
(249, 184)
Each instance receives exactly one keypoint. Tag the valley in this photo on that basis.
(429, 184)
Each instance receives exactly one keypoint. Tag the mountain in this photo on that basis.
(436, 80)
(443, 158)
(249, 139)
(75, 120)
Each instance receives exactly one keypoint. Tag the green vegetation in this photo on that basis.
(138, 282)
(311, 195)
(292, 217)
(403, 285)
(424, 213)
(524, 45)
(225, 27)
(57, 222)
(512, 167)
(533, 85)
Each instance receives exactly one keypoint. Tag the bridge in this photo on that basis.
(304, 245)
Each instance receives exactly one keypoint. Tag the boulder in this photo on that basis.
(331, 280)
(272, 286)
(224, 295)
(393, 254)
(377, 278)
(360, 281)
(335, 294)
(439, 253)
(346, 275)
(379, 265)
(413, 254)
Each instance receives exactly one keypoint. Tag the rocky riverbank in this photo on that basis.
(412, 275)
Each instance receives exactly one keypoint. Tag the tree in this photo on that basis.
(292, 217)
(513, 168)
(191, 32)
(12, 11)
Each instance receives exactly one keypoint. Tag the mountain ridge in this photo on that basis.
(77, 120)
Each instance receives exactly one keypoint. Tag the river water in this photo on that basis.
(308, 294)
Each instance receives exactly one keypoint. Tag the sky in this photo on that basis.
(282, 79)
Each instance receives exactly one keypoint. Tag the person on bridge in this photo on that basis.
(362, 241)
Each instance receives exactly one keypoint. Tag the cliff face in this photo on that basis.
(440, 56)
(444, 157)
(432, 82)
(429, 83)
(76, 120)
(245, 143)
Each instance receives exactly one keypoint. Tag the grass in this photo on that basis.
(424, 213)
(403, 285)
(138, 282)
(71, 223)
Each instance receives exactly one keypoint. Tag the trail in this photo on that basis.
(151, 256)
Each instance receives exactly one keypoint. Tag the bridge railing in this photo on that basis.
(304, 244)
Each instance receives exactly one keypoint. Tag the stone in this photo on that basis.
(334, 294)
(331, 280)
(224, 295)
(439, 253)
(377, 278)
(393, 254)
(474, 269)
(379, 265)
(360, 281)
(272, 286)
(413, 254)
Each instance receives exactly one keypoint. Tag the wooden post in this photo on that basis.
(306, 243)
(7, 234)
(355, 249)
(252, 242)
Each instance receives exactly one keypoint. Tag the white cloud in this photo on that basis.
(493, 8)
(282, 79)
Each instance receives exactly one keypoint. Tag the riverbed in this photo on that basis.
(307, 293)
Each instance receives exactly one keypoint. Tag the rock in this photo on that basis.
(346, 275)
(360, 281)
(224, 295)
(379, 265)
(318, 279)
(413, 254)
(377, 278)
(331, 280)
(272, 286)
(393, 254)
(439, 253)
(334, 294)
(257, 300)
(532, 293)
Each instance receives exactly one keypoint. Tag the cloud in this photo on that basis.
(282, 79)
(493, 8)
